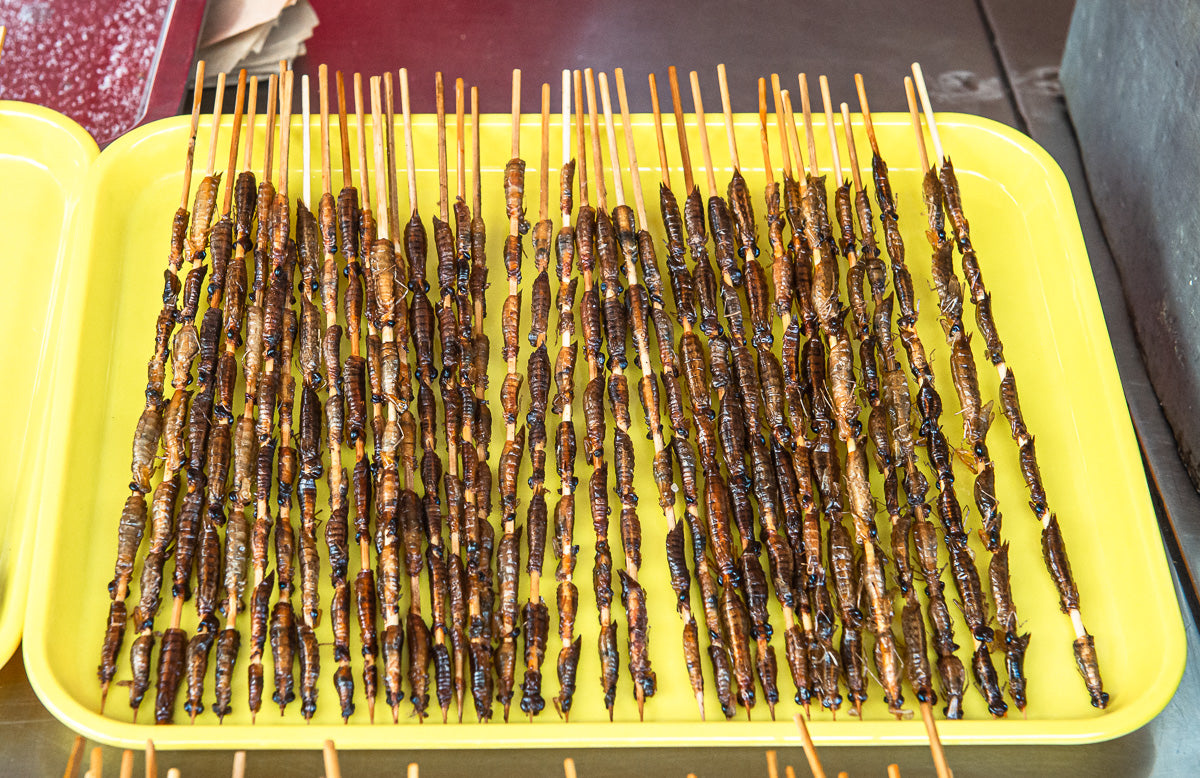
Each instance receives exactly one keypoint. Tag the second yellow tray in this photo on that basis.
(1046, 305)
(44, 157)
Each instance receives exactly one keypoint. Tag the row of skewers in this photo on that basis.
(781, 451)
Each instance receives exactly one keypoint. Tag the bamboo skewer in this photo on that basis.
(679, 421)
(738, 398)
(96, 764)
(417, 322)
(724, 615)
(336, 529)
(565, 443)
(381, 314)
(441, 561)
(186, 348)
(1053, 544)
(950, 669)
(202, 416)
(354, 391)
(134, 514)
(126, 770)
(508, 551)
(464, 501)
(75, 759)
(367, 373)
(810, 750)
(536, 615)
(482, 591)
(623, 230)
(976, 421)
(151, 760)
(593, 400)
(329, 754)
(688, 359)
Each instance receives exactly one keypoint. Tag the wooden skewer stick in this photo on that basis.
(3, 37)
(914, 115)
(439, 88)
(763, 139)
(806, 107)
(272, 107)
(843, 774)
(772, 764)
(239, 765)
(332, 769)
(865, 107)
(829, 125)
(414, 770)
(359, 110)
(569, 768)
(174, 773)
(611, 135)
(919, 78)
(344, 132)
(680, 129)
(460, 139)
(893, 771)
(75, 759)
(810, 750)
(593, 116)
(784, 145)
(935, 742)
(126, 764)
(151, 760)
(227, 203)
(727, 110)
(477, 187)
(544, 173)
(96, 763)
(789, 772)
(285, 134)
(664, 168)
(702, 123)
(790, 116)
(392, 192)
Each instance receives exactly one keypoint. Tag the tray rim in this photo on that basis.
(1106, 726)
(23, 522)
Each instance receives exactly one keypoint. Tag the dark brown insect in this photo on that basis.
(309, 661)
(283, 651)
(735, 621)
(170, 672)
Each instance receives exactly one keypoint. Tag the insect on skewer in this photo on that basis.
(817, 469)
(810, 750)
(977, 419)
(846, 411)
(952, 675)
(363, 377)
(186, 347)
(421, 325)
(202, 418)
(729, 631)
(508, 552)
(593, 401)
(786, 547)
(309, 443)
(536, 616)
(695, 294)
(330, 220)
(220, 441)
(481, 542)
(565, 444)
(688, 359)
(1053, 545)
(632, 315)
(460, 489)
(738, 400)
(416, 320)
(646, 303)
(450, 677)
(147, 433)
(769, 434)
(381, 349)
(354, 392)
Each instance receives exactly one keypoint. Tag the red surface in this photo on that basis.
(97, 62)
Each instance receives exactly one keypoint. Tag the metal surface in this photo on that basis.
(1026, 35)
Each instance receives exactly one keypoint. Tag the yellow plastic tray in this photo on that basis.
(43, 158)
(1033, 254)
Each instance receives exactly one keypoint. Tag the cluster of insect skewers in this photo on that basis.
(781, 452)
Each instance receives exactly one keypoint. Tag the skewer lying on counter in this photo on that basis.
(795, 425)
